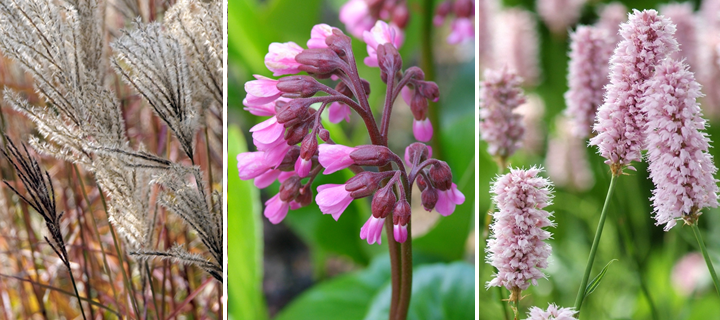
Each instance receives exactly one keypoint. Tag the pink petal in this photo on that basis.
(333, 199)
(276, 209)
(334, 157)
(422, 130)
(338, 112)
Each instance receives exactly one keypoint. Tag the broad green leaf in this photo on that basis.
(596, 281)
(439, 291)
(346, 297)
(245, 239)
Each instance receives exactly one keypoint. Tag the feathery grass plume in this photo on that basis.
(180, 255)
(516, 247)
(553, 312)
(155, 65)
(516, 44)
(566, 160)
(590, 51)
(681, 167)
(41, 197)
(620, 126)
(559, 15)
(681, 14)
(500, 127)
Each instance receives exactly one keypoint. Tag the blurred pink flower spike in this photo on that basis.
(333, 199)
(372, 230)
(463, 30)
(280, 58)
(381, 33)
(334, 157)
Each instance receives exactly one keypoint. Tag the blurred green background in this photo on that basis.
(646, 254)
(310, 266)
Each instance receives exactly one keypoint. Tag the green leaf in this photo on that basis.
(439, 291)
(345, 297)
(596, 281)
(245, 239)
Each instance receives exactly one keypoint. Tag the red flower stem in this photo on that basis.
(406, 268)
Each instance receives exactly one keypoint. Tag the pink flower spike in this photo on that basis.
(317, 36)
(448, 199)
(381, 33)
(553, 313)
(251, 164)
(302, 167)
(275, 209)
(280, 58)
(422, 130)
(463, 30)
(500, 126)
(372, 230)
(266, 179)
(355, 14)
(400, 233)
(333, 199)
(267, 132)
(334, 157)
(338, 112)
(261, 91)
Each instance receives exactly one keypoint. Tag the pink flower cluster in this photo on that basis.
(590, 51)
(500, 127)
(463, 26)
(516, 44)
(553, 312)
(516, 247)
(360, 15)
(559, 15)
(680, 166)
(683, 17)
(620, 126)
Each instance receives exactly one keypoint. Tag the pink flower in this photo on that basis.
(516, 247)
(620, 126)
(400, 233)
(302, 167)
(276, 209)
(500, 127)
(334, 157)
(275, 153)
(552, 313)
(422, 130)
(317, 36)
(266, 179)
(267, 133)
(333, 199)
(280, 58)
(372, 230)
(338, 112)
(463, 30)
(381, 33)
(448, 199)
(682, 15)
(262, 110)
(690, 273)
(261, 91)
(559, 15)
(355, 14)
(680, 166)
(516, 44)
(590, 51)
(251, 165)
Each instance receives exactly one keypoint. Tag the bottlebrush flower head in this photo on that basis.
(590, 51)
(559, 15)
(515, 44)
(610, 16)
(516, 247)
(682, 15)
(553, 312)
(500, 127)
(680, 166)
(620, 126)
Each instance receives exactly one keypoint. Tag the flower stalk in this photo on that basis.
(703, 249)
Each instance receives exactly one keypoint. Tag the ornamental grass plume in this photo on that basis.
(553, 312)
(516, 44)
(590, 51)
(620, 126)
(682, 15)
(500, 126)
(680, 165)
(516, 247)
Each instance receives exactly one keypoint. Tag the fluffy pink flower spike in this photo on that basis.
(516, 247)
(681, 167)
(500, 126)
(553, 312)
(620, 126)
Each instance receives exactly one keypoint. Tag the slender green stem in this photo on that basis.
(502, 304)
(701, 243)
(593, 249)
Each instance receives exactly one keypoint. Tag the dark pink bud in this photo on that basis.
(309, 147)
(305, 196)
(417, 152)
(364, 184)
(383, 202)
(415, 73)
(344, 89)
(288, 162)
(324, 135)
(421, 183)
(429, 198)
(339, 43)
(443, 8)
(296, 133)
(400, 15)
(365, 85)
(322, 61)
(389, 60)
(290, 188)
(293, 112)
(428, 89)
(371, 155)
(419, 106)
(441, 176)
(401, 214)
(298, 86)
(464, 8)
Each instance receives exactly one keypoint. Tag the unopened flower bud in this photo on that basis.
(419, 106)
(415, 73)
(298, 86)
(416, 153)
(441, 175)
(323, 61)
(443, 9)
(296, 133)
(324, 134)
(305, 196)
(288, 162)
(290, 188)
(309, 147)
(428, 89)
(400, 15)
(371, 155)
(383, 202)
(339, 43)
(401, 213)
(464, 8)
(364, 184)
(429, 198)
(344, 89)
(365, 85)
(421, 182)
(389, 61)
(292, 112)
